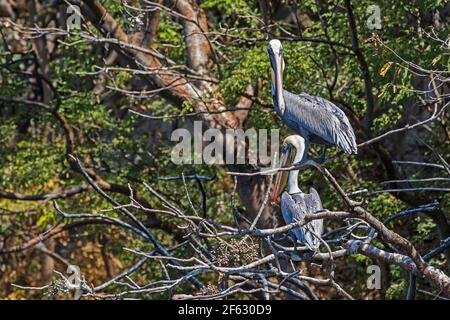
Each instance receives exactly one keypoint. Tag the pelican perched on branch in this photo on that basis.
(316, 119)
(294, 203)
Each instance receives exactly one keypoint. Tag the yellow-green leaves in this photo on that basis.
(385, 68)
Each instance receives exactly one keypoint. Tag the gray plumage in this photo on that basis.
(318, 120)
(294, 208)
(315, 118)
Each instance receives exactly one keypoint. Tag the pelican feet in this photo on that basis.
(322, 159)
(308, 161)
(296, 256)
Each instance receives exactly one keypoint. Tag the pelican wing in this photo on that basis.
(295, 207)
(293, 211)
(313, 204)
(320, 117)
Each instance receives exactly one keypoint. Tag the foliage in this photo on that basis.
(128, 149)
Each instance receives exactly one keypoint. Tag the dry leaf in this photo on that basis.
(385, 68)
(435, 60)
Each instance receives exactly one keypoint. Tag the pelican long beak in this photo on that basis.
(276, 61)
(281, 178)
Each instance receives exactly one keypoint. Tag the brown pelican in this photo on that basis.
(294, 203)
(314, 118)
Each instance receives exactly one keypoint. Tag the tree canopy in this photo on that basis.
(86, 177)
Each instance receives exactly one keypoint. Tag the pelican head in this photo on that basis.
(275, 52)
(292, 151)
